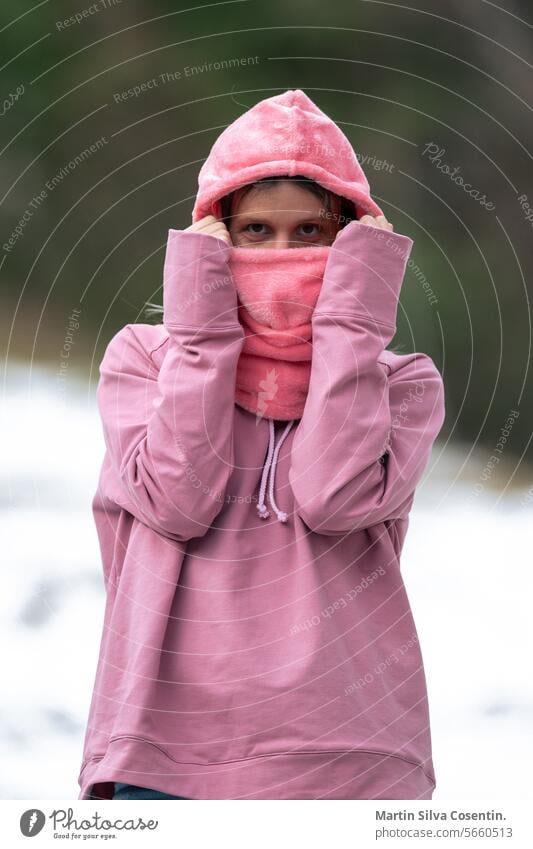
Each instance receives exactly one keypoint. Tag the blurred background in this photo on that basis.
(108, 111)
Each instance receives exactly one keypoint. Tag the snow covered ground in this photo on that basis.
(467, 564)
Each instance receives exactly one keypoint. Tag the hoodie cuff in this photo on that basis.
(364, 273)
(198, 284)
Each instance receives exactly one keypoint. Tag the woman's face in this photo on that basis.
(282, 215)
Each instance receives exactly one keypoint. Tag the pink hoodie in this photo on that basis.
(249, 658)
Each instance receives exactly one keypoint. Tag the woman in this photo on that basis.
(261, 645)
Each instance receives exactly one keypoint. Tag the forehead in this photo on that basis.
(276, 196)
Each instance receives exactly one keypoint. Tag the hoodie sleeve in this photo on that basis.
(367, 429)
(169, 431)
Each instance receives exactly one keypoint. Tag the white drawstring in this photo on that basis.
(261, 506)
(271, 458)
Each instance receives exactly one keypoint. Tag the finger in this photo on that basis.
(206, 222)
(212, 228)
(202, 227)
(222, 233)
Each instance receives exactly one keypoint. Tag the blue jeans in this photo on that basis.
(131, 791)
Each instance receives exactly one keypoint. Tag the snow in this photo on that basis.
(466, 563)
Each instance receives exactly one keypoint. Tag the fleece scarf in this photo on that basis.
(277, 291)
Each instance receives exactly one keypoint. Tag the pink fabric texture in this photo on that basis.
(274, 657)
(277, 289)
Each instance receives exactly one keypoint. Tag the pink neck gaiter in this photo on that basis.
(277, 289)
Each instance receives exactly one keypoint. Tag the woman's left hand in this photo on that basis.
(378, 221)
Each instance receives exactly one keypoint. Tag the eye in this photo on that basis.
(256, 228)
(309, 228)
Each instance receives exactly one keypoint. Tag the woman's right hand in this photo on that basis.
(212, 227)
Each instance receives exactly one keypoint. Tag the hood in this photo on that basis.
(286, 134)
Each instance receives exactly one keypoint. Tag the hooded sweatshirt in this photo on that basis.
(263, 657)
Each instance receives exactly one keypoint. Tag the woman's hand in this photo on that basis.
(378, 221)
(212, 227)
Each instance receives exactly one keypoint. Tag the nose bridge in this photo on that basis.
(282, 237)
